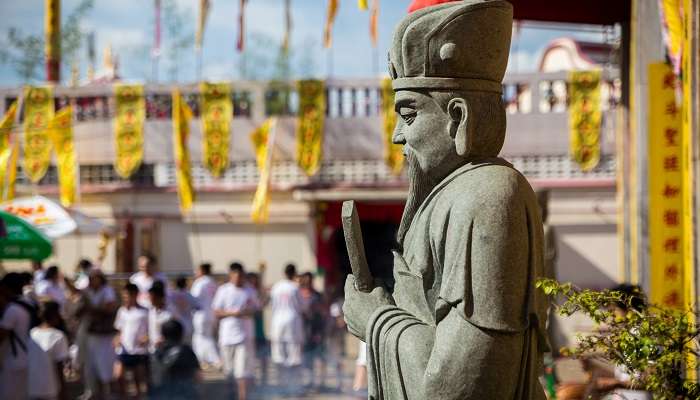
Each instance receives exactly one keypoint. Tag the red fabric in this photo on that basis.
(418, 4)
(329, 221)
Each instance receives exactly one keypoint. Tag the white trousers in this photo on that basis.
(203, 341)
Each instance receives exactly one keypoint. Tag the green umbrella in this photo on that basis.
(19, 240)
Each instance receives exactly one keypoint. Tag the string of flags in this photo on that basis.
(46, 134)
(331, 13)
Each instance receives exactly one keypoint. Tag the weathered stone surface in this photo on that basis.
(464, 320)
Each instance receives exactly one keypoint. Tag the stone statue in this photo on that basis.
(464, 320)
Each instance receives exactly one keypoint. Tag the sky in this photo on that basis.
(127, 25)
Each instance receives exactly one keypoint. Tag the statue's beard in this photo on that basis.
(419, 187)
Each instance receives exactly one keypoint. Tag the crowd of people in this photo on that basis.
(151, 337)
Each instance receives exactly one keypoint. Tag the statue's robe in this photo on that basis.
(468, 322)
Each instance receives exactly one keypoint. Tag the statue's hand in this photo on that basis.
(358, 306)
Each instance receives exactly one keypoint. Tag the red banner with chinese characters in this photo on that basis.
(666, 187)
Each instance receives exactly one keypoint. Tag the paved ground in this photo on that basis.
(215, 386)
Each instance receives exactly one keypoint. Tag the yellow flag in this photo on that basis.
(129, 117)
(584, 118)
(201, 23)
(312, 110)
(259, 138)
(61, 132)
(217, 113)
(38, 111)
(362, 4)
(330, 19)
(182, 114)
(666, 189)
(393, 153)
(5, 148)
(672, 17)
(263, 139)
(373, 21)
(12, 172)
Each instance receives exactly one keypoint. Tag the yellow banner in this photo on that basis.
(130, 114)
(201, 22)
(5, 144)
(38, 111)
(373, 21)
(312, 110)
(263, 144)
(393, 153)
(12, 172)
(672, 30)
(217, 112)
(666, 188)
(584, 118)
(182, 115)
(330, 20)
(61, 132)
(362, 4)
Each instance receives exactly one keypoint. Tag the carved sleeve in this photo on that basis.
(486, 262)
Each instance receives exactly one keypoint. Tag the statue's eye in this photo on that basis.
(408, 114)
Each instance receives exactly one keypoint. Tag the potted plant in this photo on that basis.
(655, 345)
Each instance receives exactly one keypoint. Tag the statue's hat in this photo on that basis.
(461, 45)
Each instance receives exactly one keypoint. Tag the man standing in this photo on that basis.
(314, 319)
(235, 305)
(287, 331)
(464, 320)
(203, 343)
(100, 310)
(147, 275)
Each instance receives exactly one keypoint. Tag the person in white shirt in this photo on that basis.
(203, 341)
(158, 313)
(287, 331)
(184, 305)
(14, 339)
(82, 272)
(147, 275)
(100, 309)
(47, 369)
(38, 271)
(132, 349)
(50, 288)
(235, 305)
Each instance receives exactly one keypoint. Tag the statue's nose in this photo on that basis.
(398, 137)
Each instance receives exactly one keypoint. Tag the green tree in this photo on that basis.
(25, 52)
(655, 345)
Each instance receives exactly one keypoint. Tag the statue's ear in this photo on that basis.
(460, 125)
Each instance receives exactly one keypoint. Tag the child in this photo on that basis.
(175, 366)
(158, 314)
(49, 384)
(132, 324)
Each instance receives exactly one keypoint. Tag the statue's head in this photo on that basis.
(447, 63)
